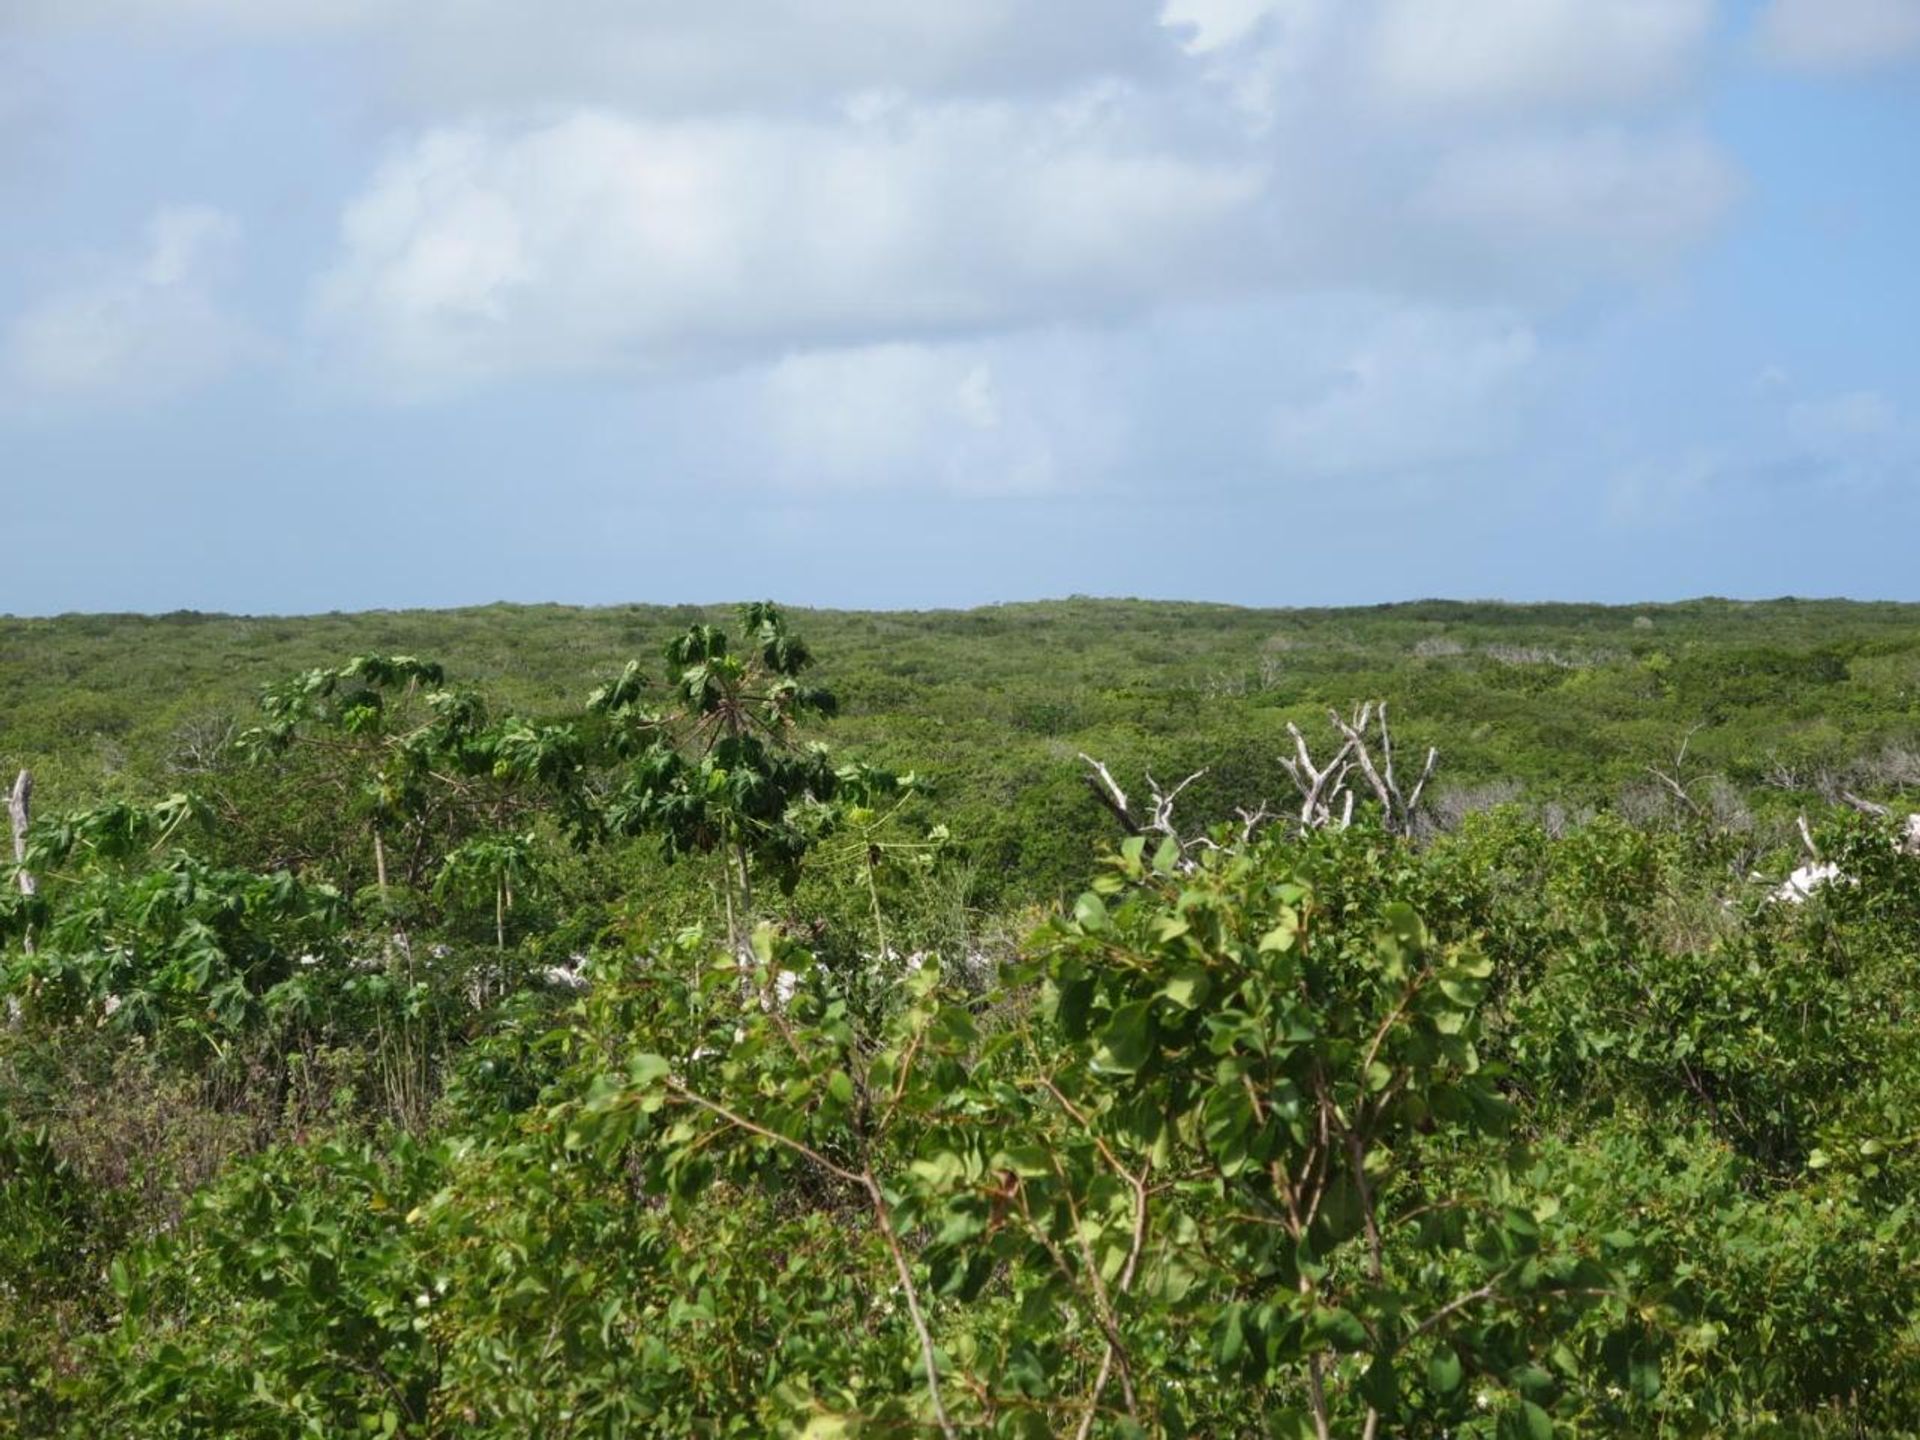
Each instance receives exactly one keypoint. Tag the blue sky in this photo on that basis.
(336, 304)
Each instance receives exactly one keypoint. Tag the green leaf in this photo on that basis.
(1126, 1041)
(648, 1070)
(1282, 936)
(1444, 1371)
(1380, 1386)
(1090, 911)
(1403, 924)
(1188, 987)
(1341, 1328)
(1229, 1335)
(840, 1087)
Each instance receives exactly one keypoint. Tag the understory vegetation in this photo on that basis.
(446, 1025)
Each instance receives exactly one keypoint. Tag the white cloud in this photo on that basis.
(1488, 54)
(1208, 25)
(1840, 35)
(903, 417)
(1272, 394)
(1411, 389)
(637, 188)
(660, 57)
(1598, 201)
(139, 327)
(601, 240)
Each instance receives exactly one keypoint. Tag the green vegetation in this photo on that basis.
(520, 1022)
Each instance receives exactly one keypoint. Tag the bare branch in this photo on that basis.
(1319, 786)
(20, 807)
(1677, 790)
(1865, 807)
(1108, 792)
(1806, 839)
(1160, 822)
(1398, 808)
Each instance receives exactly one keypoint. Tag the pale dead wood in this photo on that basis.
(1158, 821)
(1398, 807)
(1326, 790)
(1672, 781)
(20, 807)
(1806, 839)
(1319, 785)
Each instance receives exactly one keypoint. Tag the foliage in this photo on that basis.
(434, 1058)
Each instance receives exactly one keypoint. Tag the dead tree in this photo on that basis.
(1909, 841)
(1158, 822)
(1399, 807)
(1673, 781)
(20, 807)
(1320, 786)
(1327, 792)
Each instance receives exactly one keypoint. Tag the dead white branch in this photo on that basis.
(1326, 788)
(1320, 786)
(20, 808)
(1398, 807)
(1159, 820)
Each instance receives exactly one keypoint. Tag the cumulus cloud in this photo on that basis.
(599, 238)
(1593, 201)
(1840, 35)
(970, 246)
(1410, 389)
(663, 58)
(142, 326)
(918, 417)
(1535, 53)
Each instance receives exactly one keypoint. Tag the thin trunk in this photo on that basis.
(20, 806)
(879, 922)
(500, 914)
(746, 886)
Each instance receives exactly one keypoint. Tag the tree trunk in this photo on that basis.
(20, 804)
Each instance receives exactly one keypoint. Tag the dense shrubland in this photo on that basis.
(414, 1057)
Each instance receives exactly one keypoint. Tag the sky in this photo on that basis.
(342, 304)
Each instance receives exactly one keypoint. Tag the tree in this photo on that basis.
(722, 769)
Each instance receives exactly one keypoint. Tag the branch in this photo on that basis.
(1865, 807)
(864, 1179)
(20, 807)
(1108, 792)
(905, 1273)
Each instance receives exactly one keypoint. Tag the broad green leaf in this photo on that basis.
(1187, 987)
(1444, 1371)
(1125, 1043)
